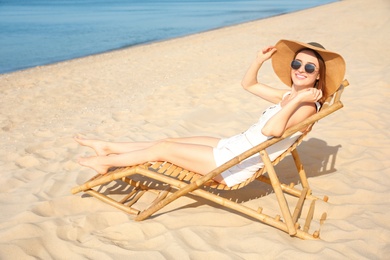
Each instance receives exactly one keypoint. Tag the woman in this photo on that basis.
(312, 72)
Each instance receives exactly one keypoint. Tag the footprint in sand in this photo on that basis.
(27, 161)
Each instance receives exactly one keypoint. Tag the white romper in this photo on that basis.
(230, 147)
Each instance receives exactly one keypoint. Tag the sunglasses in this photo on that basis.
(309, 68)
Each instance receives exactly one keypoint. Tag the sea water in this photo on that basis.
(39, 32)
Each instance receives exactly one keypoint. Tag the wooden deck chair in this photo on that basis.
(172, 182)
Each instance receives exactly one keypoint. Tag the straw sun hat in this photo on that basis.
(286, 50)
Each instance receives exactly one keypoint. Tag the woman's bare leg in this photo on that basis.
(193, 157)
(105, 148)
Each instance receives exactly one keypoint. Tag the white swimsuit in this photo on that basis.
(230, 147)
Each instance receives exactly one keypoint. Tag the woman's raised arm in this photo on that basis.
(250, 81)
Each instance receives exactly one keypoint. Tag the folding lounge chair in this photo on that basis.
(169, 182)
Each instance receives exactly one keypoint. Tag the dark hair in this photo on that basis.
(320, 83)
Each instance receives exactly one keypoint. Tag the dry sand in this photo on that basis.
(191, 86)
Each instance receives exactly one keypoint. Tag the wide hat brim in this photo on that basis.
(286, 50)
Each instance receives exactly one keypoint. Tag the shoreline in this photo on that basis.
(191, 86)
(153, 42)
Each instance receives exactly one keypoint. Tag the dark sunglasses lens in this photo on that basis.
(296, 64)
(310, 68)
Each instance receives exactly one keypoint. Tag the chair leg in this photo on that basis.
(298, 208)
(276, 185)
(309, 217)
(301, 171)
(303, 176)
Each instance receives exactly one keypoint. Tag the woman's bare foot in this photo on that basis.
(100, 147)
(94, 163)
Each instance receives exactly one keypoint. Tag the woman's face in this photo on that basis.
(300, 77)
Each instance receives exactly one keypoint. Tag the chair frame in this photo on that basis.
(177, 182)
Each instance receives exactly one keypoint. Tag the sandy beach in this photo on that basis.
(184, 87)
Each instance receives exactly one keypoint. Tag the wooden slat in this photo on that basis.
(189, 176)
(176, 172)
(170, 169)
(164, 167)
(156, 165)
(182, 175)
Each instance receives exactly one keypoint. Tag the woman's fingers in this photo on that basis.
(311, 94)
(266, 53)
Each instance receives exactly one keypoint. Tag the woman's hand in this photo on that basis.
(310, 95)
(251, 84)
(295, 111)
(266, 53)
